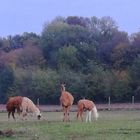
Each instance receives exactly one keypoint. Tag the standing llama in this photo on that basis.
(66, 101)
(89, 106)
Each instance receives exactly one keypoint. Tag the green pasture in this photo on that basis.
(111, 125)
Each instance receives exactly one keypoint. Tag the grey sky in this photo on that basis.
(18, 16)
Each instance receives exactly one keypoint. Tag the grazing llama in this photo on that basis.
(89, 106)
(28, 106)
(66, 101)
(23, 105)
(13, 104)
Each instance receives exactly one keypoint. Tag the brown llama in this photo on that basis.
(13, 104)
(66, 101)
(89, 106)
(23, 105)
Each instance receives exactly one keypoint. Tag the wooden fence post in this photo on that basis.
(133, 100)
(109, 106)
(38, 102)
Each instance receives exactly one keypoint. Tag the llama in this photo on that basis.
(23, 105)
(66, 101)
(13, 104)
(89, 106)
(28, 106)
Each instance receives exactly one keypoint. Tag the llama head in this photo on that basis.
(63, 87)
(39, 116)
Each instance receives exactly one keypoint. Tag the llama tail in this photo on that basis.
(95, 113)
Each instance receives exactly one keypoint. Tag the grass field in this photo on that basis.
(111, 125)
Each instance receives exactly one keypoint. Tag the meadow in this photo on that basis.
(111, 125)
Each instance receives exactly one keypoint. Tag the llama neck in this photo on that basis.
(37, 111)
(63, 88)
(34, 109)
(31, 106)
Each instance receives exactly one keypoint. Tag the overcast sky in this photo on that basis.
(18, 16)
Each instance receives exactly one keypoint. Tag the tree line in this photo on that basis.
(91, 55)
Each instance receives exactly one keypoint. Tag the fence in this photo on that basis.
(107, 106)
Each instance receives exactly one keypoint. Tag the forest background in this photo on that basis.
(90, 55)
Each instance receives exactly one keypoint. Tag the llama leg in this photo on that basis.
(81, 115)
(13, 112)
(90, 116)
(77, 114)
(18, 111)
(68, 111)
(9, 114)
(64, 116)
(95, 113)
(87, 116)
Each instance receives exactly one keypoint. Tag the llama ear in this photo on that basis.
(60, 82)
(63, 83)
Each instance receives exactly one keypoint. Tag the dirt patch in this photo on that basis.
(121, 131)
(7, 133)
(10, 133)
(77, 137)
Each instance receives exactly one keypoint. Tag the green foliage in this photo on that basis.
(135, 71)
(67, 58)
(6, 81)
(90, 55)
(44, 86)
(120, 91)
(122, 56)
(99, 83)
(58, 35)
(75, 83)
(36, 84)
(30, 56)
